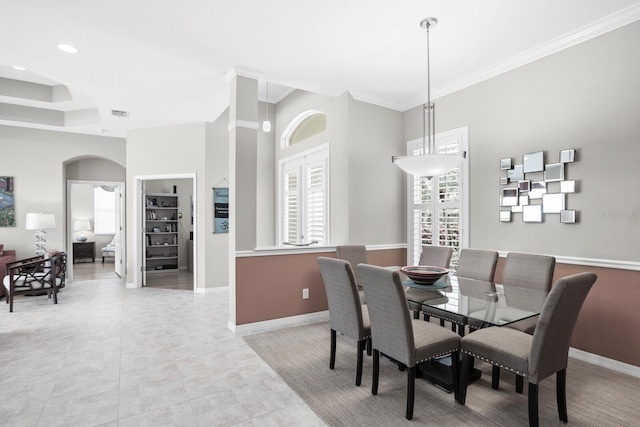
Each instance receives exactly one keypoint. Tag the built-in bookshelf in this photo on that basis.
(161, 232)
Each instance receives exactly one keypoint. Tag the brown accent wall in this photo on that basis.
(270, 287)
(609, 322)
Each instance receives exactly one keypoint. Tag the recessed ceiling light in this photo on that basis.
(67, 48)
(17, 67)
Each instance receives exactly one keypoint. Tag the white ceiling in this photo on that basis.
(165, 61)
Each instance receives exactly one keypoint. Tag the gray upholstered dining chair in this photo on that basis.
(475, 264)
(436, 256)
(536, 356)
(528, 271)
(398, 336)
(346, 314)
(355, 254)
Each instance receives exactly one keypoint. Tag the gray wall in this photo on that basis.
(587, 98)
(36, 159)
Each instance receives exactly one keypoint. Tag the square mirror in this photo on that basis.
(504, 180)
(524, 200)
(516, 174)
(523, 185)
(533, 162)
(567, 186)
(568, 217)
(567, 156)
(516, 209)
(505, 216)
(537, 189)
(505, 164)
(554, 172)
(509, 197)
(552, 203)
(532, 213)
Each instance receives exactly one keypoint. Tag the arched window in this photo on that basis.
(303, 187)
(304, 126)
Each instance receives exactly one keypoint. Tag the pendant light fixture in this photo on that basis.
(266, 125)
(429, 163)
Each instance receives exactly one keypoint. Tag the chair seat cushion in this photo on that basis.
(23, 283)
(432, 340)
(501, 346)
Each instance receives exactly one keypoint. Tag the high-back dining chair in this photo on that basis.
(528, 271)
(355, 254)
(435, 256)
(346, 314)
(475, 264)
(536, 356)
(395, 334)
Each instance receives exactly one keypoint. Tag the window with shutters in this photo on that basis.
(438, 206)
(304, 189)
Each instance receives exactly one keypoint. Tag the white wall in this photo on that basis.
(586, 98)
(181, 149)
(36, 159)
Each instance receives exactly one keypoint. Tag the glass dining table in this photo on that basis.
(473, 304)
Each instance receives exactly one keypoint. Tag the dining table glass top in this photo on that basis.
(486, 303)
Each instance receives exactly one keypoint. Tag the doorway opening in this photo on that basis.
(164, 223)
(95, 229)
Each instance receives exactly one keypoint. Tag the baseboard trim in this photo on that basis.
(212, 290)
(275, 324)
(605, 362)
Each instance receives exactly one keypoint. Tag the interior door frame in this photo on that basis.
(138, 225)
(69, 222)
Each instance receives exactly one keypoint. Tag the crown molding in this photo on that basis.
(242, 72)
(612, 22)
(370, 99)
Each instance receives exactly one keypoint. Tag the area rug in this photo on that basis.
(596, 396)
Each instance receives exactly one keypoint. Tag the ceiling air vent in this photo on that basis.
(119, 113)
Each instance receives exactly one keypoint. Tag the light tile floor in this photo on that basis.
(110, 356)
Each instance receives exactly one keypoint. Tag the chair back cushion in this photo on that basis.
(529, 271)
(436, 256)
(391, 329)
(477, 264)
(345, 311)
(552, 337)
(355, 254)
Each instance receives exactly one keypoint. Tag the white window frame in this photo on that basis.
(96, 217)
(441, 139)
(301, 160)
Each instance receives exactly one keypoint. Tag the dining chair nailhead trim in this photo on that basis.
(484, 359)
(438, 355)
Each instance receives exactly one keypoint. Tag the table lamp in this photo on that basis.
(40, 221)
(81, 225)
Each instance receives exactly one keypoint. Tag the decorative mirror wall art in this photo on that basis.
(536, 189)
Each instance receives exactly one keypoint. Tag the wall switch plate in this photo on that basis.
(305, 293)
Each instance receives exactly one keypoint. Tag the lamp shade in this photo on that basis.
(81, 225)
(40, 221)
(428, 164)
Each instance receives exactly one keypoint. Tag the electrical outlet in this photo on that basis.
(305, 293)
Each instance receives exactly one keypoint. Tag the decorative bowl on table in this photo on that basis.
(424, 274)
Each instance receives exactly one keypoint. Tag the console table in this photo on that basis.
(84, 250)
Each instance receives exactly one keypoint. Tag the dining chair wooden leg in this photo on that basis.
(454, 327)
(401, 367)
(533, 405)
(465, 371)
(519, 383)
(426, 317)
(416, 314)
(495, 377)
(561, 395)
(376, 372)
(442, 322)
(411, 390)
(332, 356)
(369, 350)
(359, 363)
